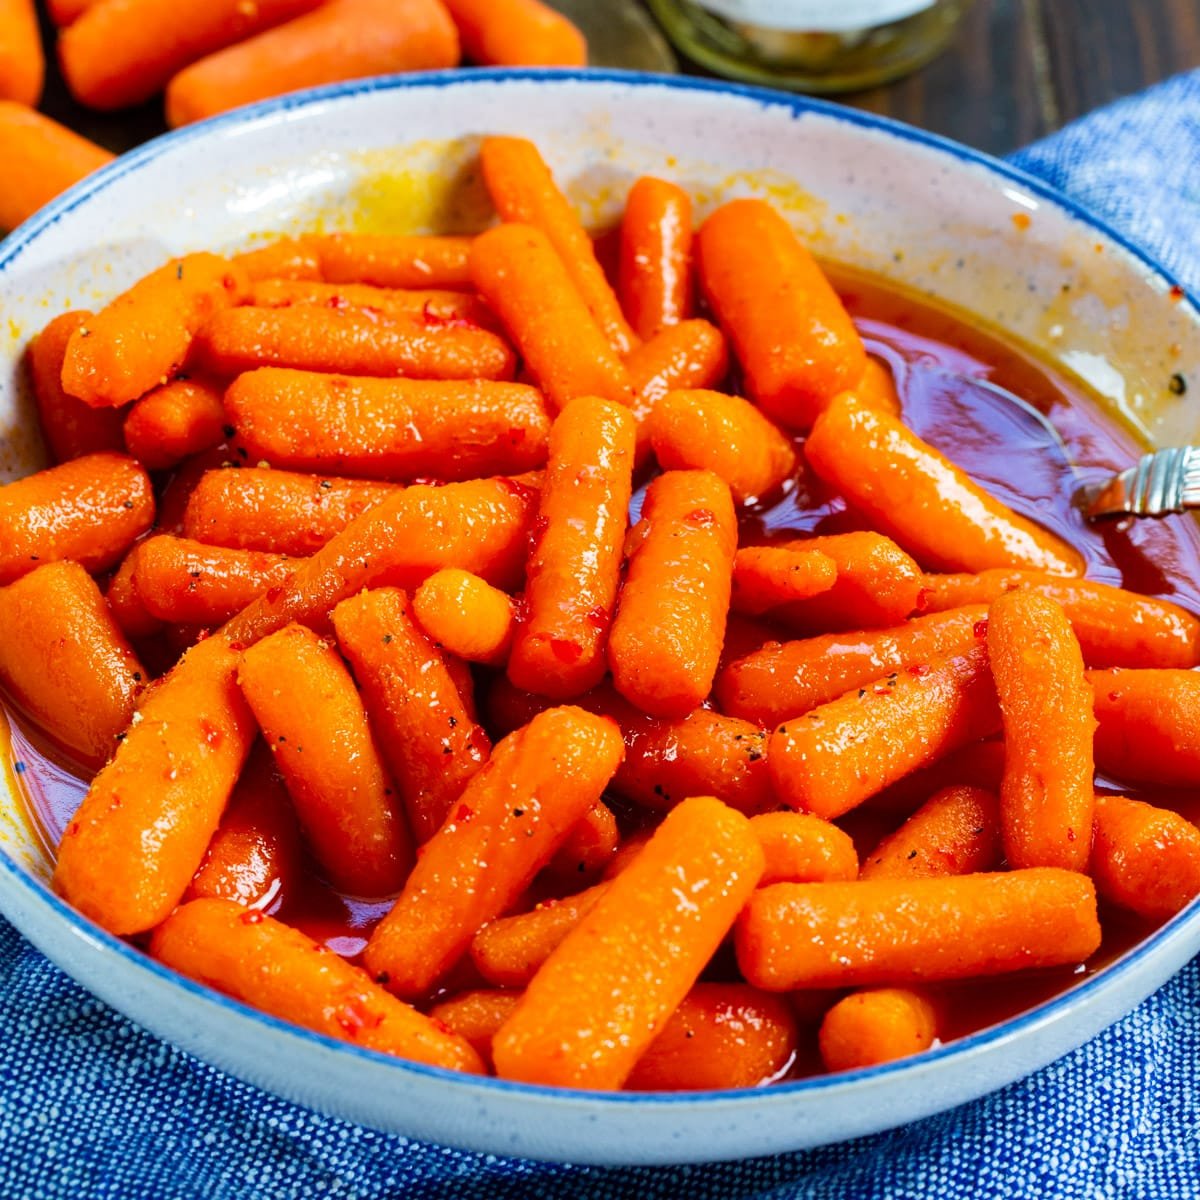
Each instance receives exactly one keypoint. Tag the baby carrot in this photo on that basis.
(90, 509)
(977, 764)
(430, 742)
(795, 341)
(768, 577)
(344, 799)
(787, 679)
(575, 560)
(589, 848)
(875, 1026)
(130, 852)
(904, 931)
(1144, 858)
(611, 985)
(670, 621)
(655, 273)
(918, 496)
(877, 389)
(801, 848)
(342, 39)
(1046, 797)
(505, 827)
(522, 278)
(63, 12)
(465, 616)
(70, 428)
(726, 435)
(278, 511)
(1115, 628)
(524, 192)
(141, 338)
(1148, 725)
(837, 755)
(387, 428)
(263, 962)
(435, 307)
(125, 604)
(284, 259)
(178, 490)
(175, 421)
(517, 33)
(64, 661)
(393, 260)
(475, 1016)
(22, 63)
(121, 52)
(690, 355)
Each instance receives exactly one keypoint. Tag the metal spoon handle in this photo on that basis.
(1167, 481)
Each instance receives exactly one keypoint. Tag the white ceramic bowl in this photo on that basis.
(398, 154)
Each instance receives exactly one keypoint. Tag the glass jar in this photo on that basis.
(810, 45)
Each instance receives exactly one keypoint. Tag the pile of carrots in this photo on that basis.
(209, 56)
(343, 489)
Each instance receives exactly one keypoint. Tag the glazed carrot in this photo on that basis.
(726, 435)
(342, 39)
(522, 278)
(692, 354)
(918, 496)
(655, 273)
(801, 848)
(344, 798)
(22, 63)
(903, 931)
(141, 338)
(575, 561)
(767, 577)
(263, 962)
(877, 389)
(90, 509)
(64, 661)
(876, 1026)
(978, 765)
(285, 259)
(1115, 628)
(131, 850)
(435, 307)
(589, 848)
(795, 341)
(1148, 725)
(278, 511)
(429, 740)
(955, 832)
(611, 985)
(517, 33)
(63, 12)
(479, 526)
(70, 428)
(670, 622)
(393, 261)
(524, 192)
(173, 502)
(173, 422)
(466, 616)
(189, 583)
(475, 1016)
(352, 341)
(121, 52)
(837, 755)
(541, 779)
(125, 604)
(787, 679)
(1046, 797)
(1144, 858)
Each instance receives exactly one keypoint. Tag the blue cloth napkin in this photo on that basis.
(91, 1106)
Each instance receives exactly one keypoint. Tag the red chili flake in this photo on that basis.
(565, 651)
(701, 516)
(1176, 293)
(1114, 697)
(1070, 835)
(274, 593)
(923, 598)
(437, 321)
(523, 490)
(598, 616)
(251, 917)
(464, 814)
(339, 302)
(440, 1025)
(980, 628)
(919, 669)
(72, 829)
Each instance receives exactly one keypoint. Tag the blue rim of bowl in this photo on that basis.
(1160, 941)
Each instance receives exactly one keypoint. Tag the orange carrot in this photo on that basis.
(837, 755)
(1046, 797)
(589, 848)
(914, 493)
(63, 12)
(795, 341)
(524, 192)
(689, 355)
(877, 388)
(505, 827)
(902, 931)
(393, 261)
(121, 52)
(285, 259)
(465, 616)
(65, 662)
(521, 276)
(767, 577)
(575, 560)
(90, 509)
(130, 852)
(656, 256)
(278, 511)
(434, 307)
(978, 764)
(430, 742)
(173, 422)
(263, 962)
(517, 33)
(801, 848)
(1115, 628)
(343, 796)
(173, 503)
(876, 1026)
(787, 679)
(125, 603)
(475, 1016)
(22, 63)
(342, 39)
(611, 985)
(70, 428)
(1148, 725)
(670, 622)
(140, 339)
